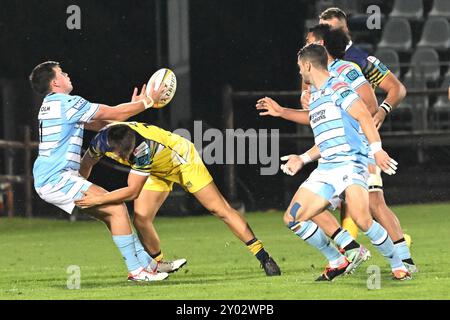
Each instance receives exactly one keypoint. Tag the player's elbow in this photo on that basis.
(373, 108)
(401, 91)
(134, 194)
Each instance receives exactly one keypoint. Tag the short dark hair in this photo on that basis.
(334, 40)
(333, 12)
(314, 53)
(41, 76)
(121, 139)
(319, 30)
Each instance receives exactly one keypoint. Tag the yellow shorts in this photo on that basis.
(192, 176)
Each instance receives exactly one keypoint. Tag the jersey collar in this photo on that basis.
(349, 45)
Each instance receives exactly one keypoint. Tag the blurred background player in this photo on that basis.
(379, 76)
(62, 119)
(158, 159)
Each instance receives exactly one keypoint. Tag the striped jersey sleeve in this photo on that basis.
(375, 71)
(343, 96)
(77, 109)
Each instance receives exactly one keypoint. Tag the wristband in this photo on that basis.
(305, 158)
(375, 147)
(147, 105)
(386, 107)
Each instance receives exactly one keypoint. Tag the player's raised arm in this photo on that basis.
(273, 109)
(138, 104)
(96, 125)
(395, 93)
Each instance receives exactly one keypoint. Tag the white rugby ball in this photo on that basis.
(167, 77)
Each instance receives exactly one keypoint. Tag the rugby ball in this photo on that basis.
(167, 77)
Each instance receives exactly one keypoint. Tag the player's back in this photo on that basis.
(336, 133)
(61, 123)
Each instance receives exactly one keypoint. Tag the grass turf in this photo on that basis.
(35, 255)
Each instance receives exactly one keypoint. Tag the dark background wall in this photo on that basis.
(250, 45)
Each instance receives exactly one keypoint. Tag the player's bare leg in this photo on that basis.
(384, 215)
(211, 198)
(146, 207)
(115, 216)
(347, 222)
(357, 199)
(306, 205)
(381, 212)
(117, 220)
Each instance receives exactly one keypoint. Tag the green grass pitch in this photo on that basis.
(35, 255)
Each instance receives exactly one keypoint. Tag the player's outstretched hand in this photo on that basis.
(386, 163)
(271, 107)
(293, 165)
(158, 94)
(90, 199)
(138, 97)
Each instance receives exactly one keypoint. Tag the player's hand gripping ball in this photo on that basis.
(163, 77)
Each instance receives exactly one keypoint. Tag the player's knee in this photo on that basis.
(143, 215)
(138, 220)
(364, 223)
(118, 210)
(291, 215)
(376, 203)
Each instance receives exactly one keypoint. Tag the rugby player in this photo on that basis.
(158, 159)
(62, 120)
(337, 114)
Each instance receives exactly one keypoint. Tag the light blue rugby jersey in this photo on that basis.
(351, 74)
(61, 124)
(336, 133)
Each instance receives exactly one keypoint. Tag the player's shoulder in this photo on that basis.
(337, 84)
(356, 55)
(344, 66)
(355, 51)
(66, 99)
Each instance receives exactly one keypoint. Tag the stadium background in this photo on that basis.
(247, 45)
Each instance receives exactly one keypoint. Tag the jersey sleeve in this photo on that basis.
(99, 145)
(375, 71)
(141, 164)
(353, 75)
(343, 96)
(77, 109)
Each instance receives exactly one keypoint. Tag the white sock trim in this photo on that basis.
(381, 239)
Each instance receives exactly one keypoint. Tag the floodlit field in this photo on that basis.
(35, 255)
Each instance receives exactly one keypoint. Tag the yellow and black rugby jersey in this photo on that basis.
(372, 68)
(156, 150)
